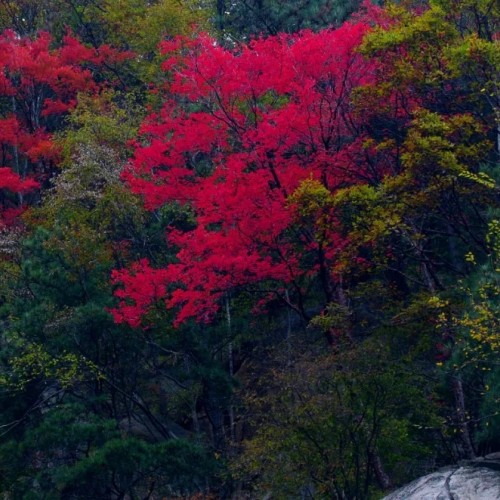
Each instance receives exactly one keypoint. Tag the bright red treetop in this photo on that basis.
(238, 132)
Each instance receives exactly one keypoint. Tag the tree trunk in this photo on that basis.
(461, 413)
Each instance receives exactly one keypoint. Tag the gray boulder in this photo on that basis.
(472, 480)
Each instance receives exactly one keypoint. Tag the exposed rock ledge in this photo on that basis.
(471, 480)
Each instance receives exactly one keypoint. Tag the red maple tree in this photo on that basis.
(238, 133)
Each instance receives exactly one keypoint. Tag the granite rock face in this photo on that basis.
(472, 480)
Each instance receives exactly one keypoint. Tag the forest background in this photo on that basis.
(246, 248)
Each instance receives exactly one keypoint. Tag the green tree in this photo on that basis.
(269, 17)
(90, 408)
(338, 424)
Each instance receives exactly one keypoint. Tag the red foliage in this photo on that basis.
(238, 132)
(11, 181)
(38, 84)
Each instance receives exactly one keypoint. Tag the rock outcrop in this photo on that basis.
(471, 480)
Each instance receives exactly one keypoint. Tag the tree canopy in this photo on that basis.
(247, 248)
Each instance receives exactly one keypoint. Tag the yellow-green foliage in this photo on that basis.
(479, 317)
(435, 47)
(421, 34)
(141, 25)
(36, 363)
(438, 147)
(312, 203)
(310, 197)
(482, 321)
(371, 212)
(110, 119)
